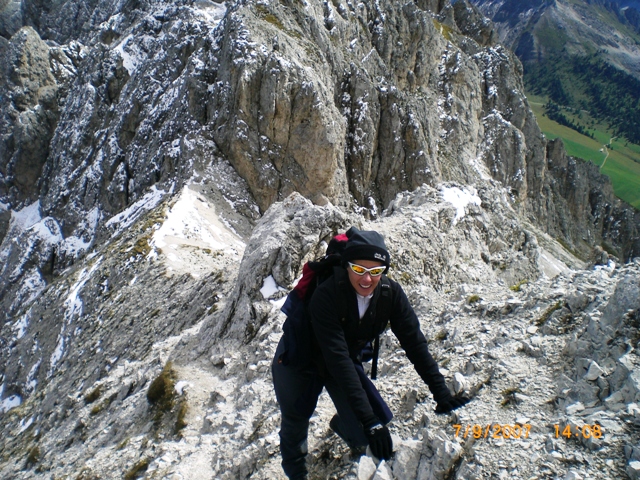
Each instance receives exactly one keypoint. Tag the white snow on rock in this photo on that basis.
(270, 287)
(21, 325)
(27, 217)
(130, 56)
(32, 285)
(127, 217)
(212, 12)
(10, 402)
(73, 303)
(74, 245)
(460, 198)
(180, 387)
(25, 423)
(194, 235)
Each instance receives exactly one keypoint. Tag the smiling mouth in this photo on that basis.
(365, 287)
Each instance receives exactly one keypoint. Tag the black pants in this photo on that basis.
(297, 390)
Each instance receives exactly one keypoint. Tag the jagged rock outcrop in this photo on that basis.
(596, 216)
(29, 113)
(286, 237)
(341, 102)
(511, 345)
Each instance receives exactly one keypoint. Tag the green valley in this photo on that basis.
(617, 158)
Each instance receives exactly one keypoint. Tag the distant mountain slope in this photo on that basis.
(582, 54)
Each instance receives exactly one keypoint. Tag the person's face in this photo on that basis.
(364, 284)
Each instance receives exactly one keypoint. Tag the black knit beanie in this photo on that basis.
(365, 245)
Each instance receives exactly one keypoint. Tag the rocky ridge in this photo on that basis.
(142, 96)
(531, 349)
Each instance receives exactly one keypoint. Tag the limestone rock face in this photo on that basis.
(29, 112)
(342, 102)
(285, 237)
(10, 17)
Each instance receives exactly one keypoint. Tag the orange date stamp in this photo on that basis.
(496, 430)
(576, 431)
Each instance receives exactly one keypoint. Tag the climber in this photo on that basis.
(345, 313)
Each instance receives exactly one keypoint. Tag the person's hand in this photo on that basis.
(449, 404)
(380, 441)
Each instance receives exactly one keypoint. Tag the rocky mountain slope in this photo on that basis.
(538, 29)
(154, 163)
(581, 54)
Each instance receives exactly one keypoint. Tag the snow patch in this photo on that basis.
(127, 217)
(212, 12)
(21, 325)
(24, 424)
(57, 354)
(10, 402)
(180, 386)
(194, 235)
(460, 198)
(270, 287)
(73, 304)
(25, 218)
(31, 377)
(48, 230)
(31, 286)
(130, 58)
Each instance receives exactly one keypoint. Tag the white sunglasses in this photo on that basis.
(360, 270)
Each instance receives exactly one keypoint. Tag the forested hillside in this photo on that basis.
(581, 59)
(590, 83)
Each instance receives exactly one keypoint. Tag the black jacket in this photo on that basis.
(341, 341)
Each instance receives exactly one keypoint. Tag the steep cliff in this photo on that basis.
(348, 103)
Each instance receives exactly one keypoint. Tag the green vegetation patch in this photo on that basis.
(93, 395)
(161, 391)
(445, 30)
(33, 457)
(181, 419)
(518, 286)
(264, 13)
(137, 470)
(473, 299)
(547, 313)
(618, 159)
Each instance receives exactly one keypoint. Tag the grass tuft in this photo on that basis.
(93, 395)
(137, 470)
(518, 286)
(547, 313)
(473, 299)
(161, 390)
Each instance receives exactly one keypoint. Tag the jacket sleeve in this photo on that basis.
(325, 320)
(406, 327)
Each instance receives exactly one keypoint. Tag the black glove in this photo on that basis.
(380, 441)
(450, 403)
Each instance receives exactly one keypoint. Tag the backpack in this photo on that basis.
(298, 333)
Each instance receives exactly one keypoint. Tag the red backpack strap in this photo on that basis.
(307, 279)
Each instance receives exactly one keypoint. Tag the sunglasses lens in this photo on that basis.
(357, 269)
